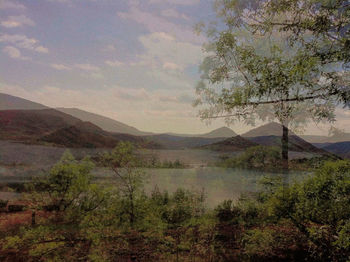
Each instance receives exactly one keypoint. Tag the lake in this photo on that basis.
(219, 184)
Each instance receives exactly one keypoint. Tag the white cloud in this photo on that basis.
(13, 52)
(22, 41)
(89, 70)
(87, 67)
(171, 66)
(109, 48)
(10, 4)
(17, 21)
(156, 23)
(165, 51)
(96, 75)
(175, 2)
(114, 63)
(60, 67)
(173, 13)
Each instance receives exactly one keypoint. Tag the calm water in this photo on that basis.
(219, 184)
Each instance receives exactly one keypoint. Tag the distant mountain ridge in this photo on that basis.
(26, 121)
(270, 129)
(271, 133)
(340, 137)
(236, 143)
(216, 133)
(167, 141)
(53, 127)
(340, 148)
(9, 102)
(103, 122)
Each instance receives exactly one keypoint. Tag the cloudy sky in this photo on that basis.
(134, 61)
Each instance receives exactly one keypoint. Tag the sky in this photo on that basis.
(133, 61)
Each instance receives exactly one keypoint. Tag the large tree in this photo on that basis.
(258, 68)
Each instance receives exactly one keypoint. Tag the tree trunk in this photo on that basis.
(33, 218)
(285, 149)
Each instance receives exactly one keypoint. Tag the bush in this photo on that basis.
(258, 157)
(15, 208)
(3, 203)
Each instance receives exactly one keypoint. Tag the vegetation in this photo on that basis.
(268, 158)
(154, 162)
(276, 60)
(71, 218)
(257, 157)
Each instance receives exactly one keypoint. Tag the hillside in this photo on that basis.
(339, 137)
(81, 135)
(270, 135)
(8, 102)
(57, 128)
(236, 143)
(166, 141)
(341, 149)
(221, 132)
(29, 125)
(270, 129)
(103, 122)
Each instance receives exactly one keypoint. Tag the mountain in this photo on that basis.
(270, 129)
(339, 137)
(220, 132)
(81, 135)
(236, 143)
(57, 128)
(88, 135)
(271, 133)
(8, 102)
(216, 133)
(340, 148)
(315, 139)
(103, 122)
(166, 141)
(29, 125)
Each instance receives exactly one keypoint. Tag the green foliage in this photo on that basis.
(258, 157)
(306, 221)
(319, 208)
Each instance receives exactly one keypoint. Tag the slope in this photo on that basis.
(103, 122)
(271, 133)
(9, 102)
(236, 143)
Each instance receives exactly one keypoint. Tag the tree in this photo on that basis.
(319, 208)
(252, 72)
(68, 201)
(124, 163)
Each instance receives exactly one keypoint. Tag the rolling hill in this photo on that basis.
(340, 148)
(80, 135)
(105, 123)
(53, 127)
(271, 133)
(166, 141)
(29, 125)
(8, 102)
(339, 137)
(216, 133)
(236, 143)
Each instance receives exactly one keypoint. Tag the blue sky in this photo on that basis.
(134, 61)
